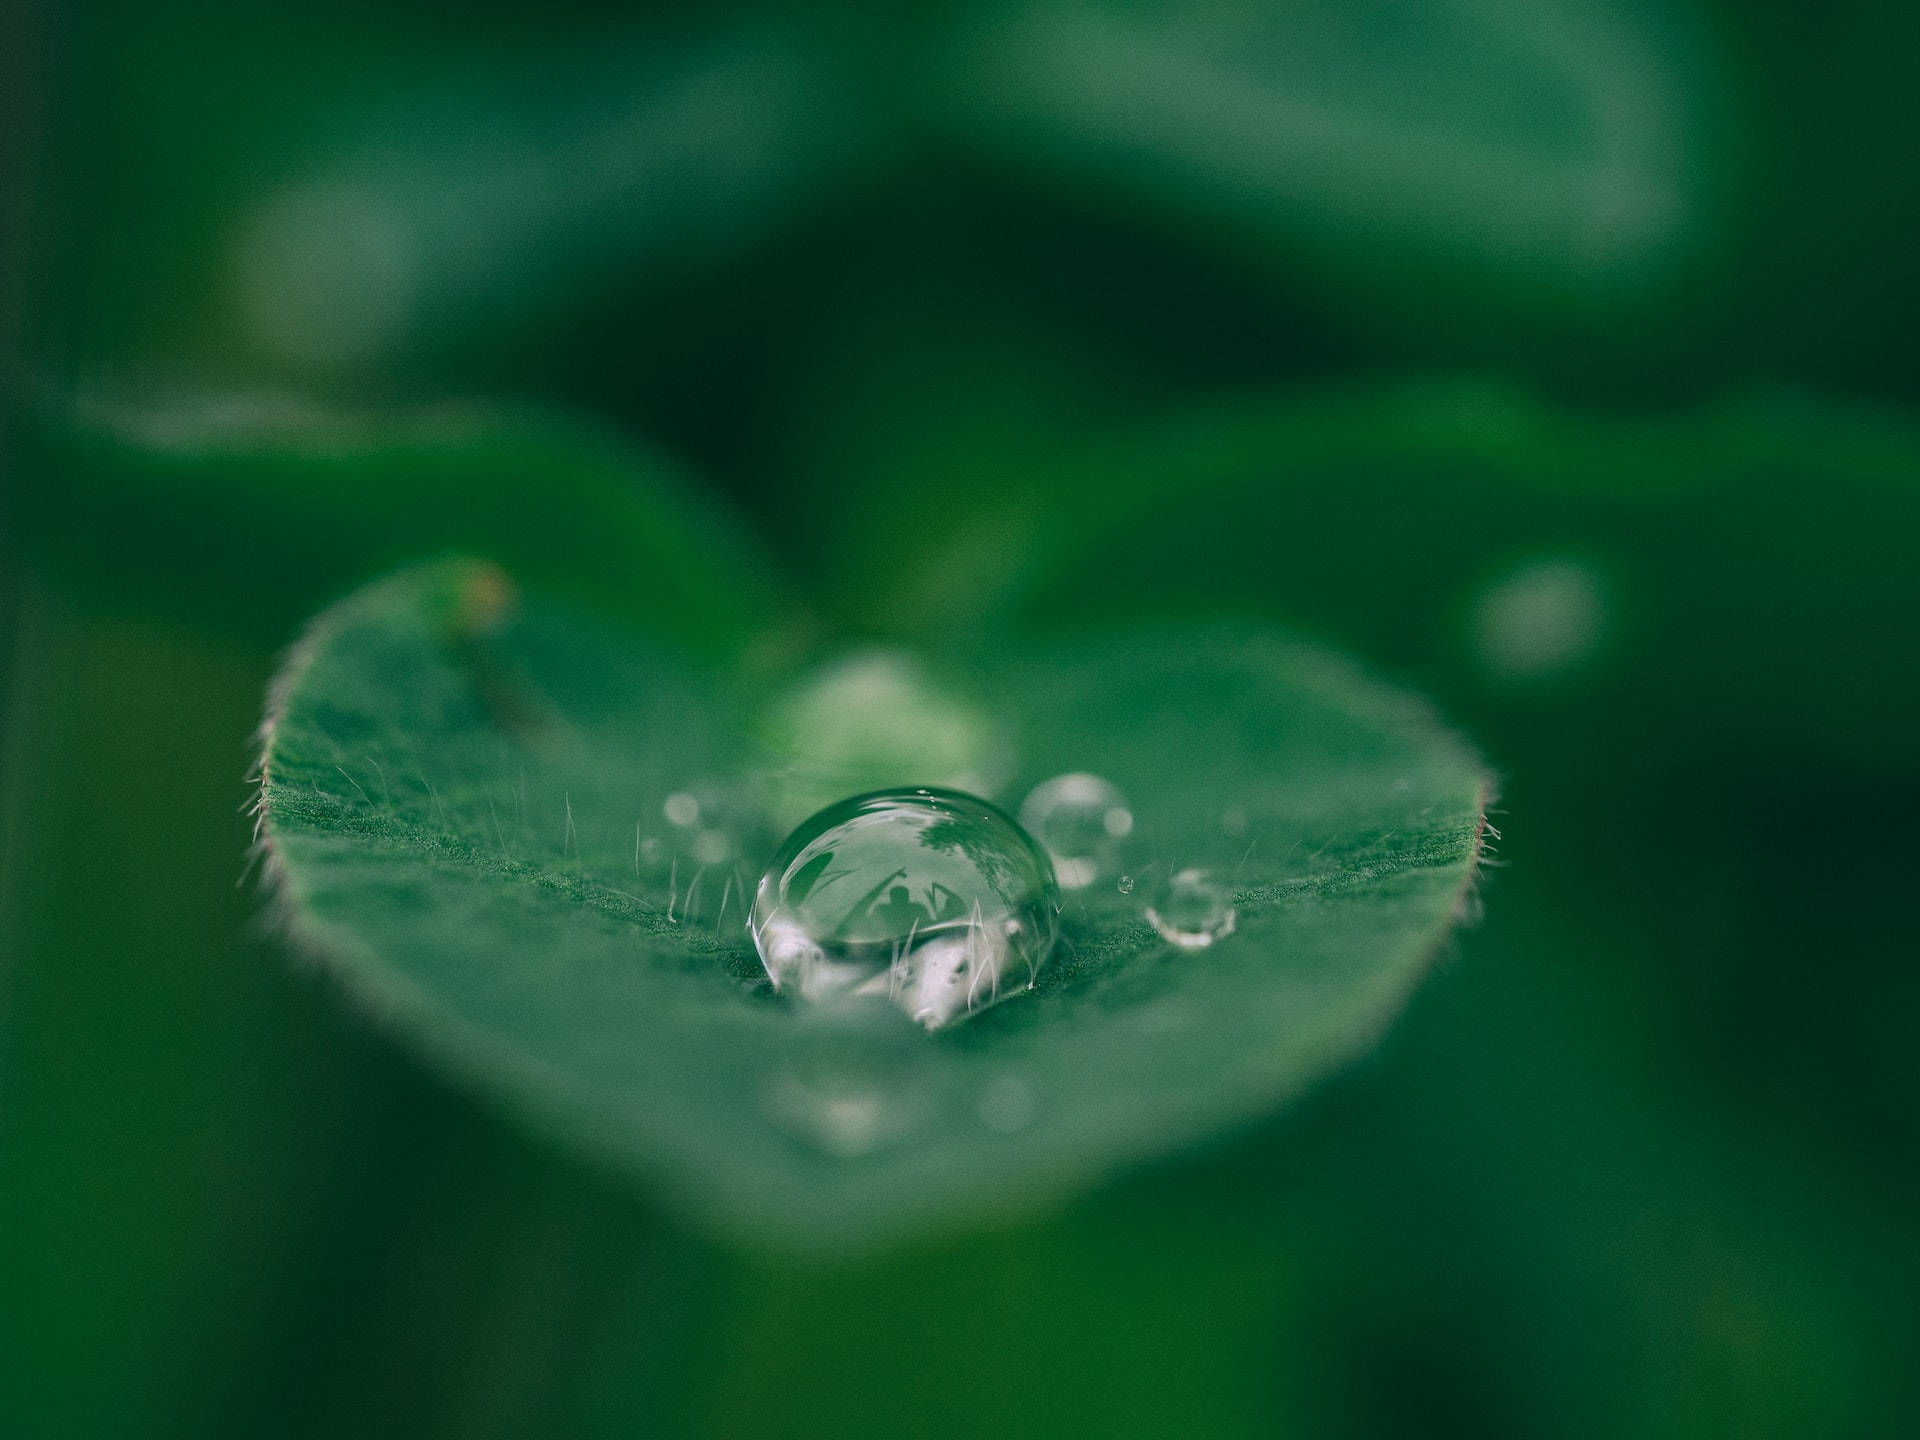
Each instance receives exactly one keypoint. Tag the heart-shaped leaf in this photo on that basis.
(529, 845)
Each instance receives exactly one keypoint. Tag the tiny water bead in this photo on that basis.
(1192, 910)
(932, 899)
(1081, 819)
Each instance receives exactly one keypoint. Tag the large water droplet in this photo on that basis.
(1081, 819)
(1191, 909)
(930, 898)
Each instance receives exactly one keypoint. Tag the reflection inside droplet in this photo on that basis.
(1192, 910)
(932, 899)
(1080, 818)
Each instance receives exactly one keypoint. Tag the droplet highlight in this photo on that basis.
(1191, 909)
(1081, 820)
(934, 900)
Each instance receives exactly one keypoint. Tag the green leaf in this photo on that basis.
(1563, 143)
(1730, 566)
(195, 500)
(464, 804)
(335, 238)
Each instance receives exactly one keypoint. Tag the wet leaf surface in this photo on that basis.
(526, 843)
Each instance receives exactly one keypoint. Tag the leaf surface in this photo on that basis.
(466, 796)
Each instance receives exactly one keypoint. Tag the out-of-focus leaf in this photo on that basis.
(219, 502)
(1560, 143)
(374, 202)
(1731, 581)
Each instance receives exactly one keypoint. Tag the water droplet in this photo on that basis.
(1126, 884)
(1079, 818)
(1192, 910)
(932, 899)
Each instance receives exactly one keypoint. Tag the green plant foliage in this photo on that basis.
(1730, 570)
(200, 497)
(466, 808)
(1561, 143)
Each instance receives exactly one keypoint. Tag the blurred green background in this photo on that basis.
(1555, 357)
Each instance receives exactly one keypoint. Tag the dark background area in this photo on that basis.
(1558, 361)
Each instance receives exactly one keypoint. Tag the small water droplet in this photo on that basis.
(1126, 884)
(932, 899)
(1191, 909)
(1078, 817)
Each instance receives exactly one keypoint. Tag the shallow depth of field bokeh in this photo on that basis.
(1554, 357)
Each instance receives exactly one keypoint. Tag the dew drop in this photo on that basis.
(932, 899)
(1126, 884)
(1191, 909)
(1079, 818)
